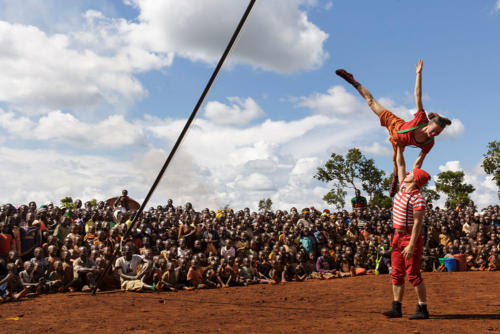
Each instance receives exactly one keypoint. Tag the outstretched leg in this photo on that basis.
(377, 109)
(372, 103)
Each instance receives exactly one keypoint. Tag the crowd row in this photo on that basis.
(53, 249)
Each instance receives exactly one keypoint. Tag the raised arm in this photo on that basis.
(418, 86)
(420, 160)
(400, 163)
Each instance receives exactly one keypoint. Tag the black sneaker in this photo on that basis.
(395, 311)
(421, 313)
(347, 77)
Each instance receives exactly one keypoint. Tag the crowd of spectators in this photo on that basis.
(49, 248)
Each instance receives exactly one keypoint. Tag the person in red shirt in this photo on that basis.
(419, 132)
(7, 242)
(407, 244)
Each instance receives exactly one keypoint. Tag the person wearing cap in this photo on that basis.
(407, 244)
(419, 132)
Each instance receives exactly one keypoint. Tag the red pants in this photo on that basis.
(401, 265)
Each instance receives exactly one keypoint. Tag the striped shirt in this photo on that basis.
(416, 203)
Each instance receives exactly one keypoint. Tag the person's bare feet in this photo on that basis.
(21, 294)
(347, 77)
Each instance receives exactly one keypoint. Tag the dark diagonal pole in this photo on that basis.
(181, 136)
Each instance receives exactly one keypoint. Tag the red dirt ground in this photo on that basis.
(461, 302)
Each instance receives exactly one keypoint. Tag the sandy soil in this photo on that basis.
(461, 302)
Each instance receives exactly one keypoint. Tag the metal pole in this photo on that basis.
(181, 136)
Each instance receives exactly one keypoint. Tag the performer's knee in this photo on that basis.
(397, 279)
(415, 279)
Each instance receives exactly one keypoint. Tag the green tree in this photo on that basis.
(430, 195)
(336, 197)
(491, 162)
(67, 202)
(93, 202)
(453, 185)
(346, 172)
(372, 178)
(265, 204)
(380, 198)
(386, 183)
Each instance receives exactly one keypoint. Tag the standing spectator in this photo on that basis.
(358, 201)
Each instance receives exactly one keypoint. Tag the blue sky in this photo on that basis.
(94, 93)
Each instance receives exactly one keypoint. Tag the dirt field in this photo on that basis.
(458, 302)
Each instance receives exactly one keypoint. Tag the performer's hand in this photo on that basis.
(419, 66)
(408, 251)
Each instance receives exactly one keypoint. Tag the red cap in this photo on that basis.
(421, 177)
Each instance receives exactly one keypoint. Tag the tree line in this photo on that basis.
(356, 171)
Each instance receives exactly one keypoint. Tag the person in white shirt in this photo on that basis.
(132, 269)
(227, 250)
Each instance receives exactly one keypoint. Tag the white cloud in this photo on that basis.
(456, 129)
(246, 163)
(240, 111)
(497, 6)
(377, 149)
(453, 166)
(204, 135)
(215, 165)
(285, 43)
(486, 190)
(397, 109)
(96, 59)
(57, 126)
(336, 101)
(255, 181)
(41, 71)
(301, 175)
(50, 15)
(48, 175)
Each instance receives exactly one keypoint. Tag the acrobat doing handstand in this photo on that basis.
(419, 132)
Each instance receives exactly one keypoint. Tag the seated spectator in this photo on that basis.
(56, 278)
(493, 260)
(29, 279)
(131, 275)
(225, 274)
(169, 279)
(85, 272)
(325, 266)
(195, 277)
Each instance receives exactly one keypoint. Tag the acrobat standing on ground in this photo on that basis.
(407, 243)
(419, 132)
